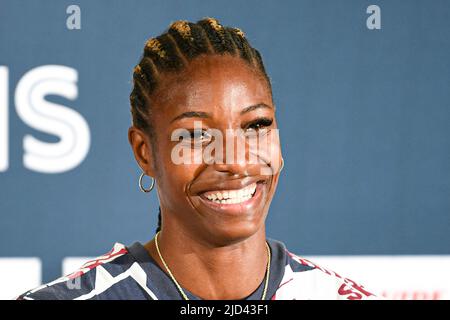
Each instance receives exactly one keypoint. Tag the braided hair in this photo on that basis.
(174, 49)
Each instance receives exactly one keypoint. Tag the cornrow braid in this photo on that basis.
(219, 37)
(172, 50)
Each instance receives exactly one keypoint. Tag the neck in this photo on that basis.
(209, 272)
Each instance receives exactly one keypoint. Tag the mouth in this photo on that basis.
(235, 200)
(231, 196)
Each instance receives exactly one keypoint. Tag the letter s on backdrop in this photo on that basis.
(71, 128)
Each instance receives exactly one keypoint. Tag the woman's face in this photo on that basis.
(219, 94)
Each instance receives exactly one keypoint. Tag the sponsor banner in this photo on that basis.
(18, 275)
(395, 277)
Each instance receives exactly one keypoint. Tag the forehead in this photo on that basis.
(213, 82)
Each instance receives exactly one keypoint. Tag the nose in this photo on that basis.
(241, 156)
(234, 156)
(235, 170)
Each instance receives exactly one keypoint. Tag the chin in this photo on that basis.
(233, 232)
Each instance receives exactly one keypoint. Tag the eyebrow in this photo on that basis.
(192, 114)
(203, 115)
(254, 107)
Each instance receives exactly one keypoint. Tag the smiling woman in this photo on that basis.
(204, 81)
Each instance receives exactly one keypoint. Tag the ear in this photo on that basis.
(142, 149)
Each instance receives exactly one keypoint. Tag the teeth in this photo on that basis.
(232, 196)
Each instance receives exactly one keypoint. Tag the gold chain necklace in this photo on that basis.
(185, 297)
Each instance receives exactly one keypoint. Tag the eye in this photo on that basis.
(199, 136)
(258, 124)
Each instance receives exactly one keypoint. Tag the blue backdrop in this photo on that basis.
(364, 121)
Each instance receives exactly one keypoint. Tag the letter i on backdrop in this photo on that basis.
(4, 119)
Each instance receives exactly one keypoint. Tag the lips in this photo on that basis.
(233, 196)
(234, 202)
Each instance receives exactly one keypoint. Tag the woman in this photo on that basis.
(196, 83)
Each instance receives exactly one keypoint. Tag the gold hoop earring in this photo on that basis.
(141, 187)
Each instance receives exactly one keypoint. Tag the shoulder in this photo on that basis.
(304, 279)
(87, 281)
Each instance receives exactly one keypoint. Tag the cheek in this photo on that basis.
(268, 149)
(171, 187)
(175, 179)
